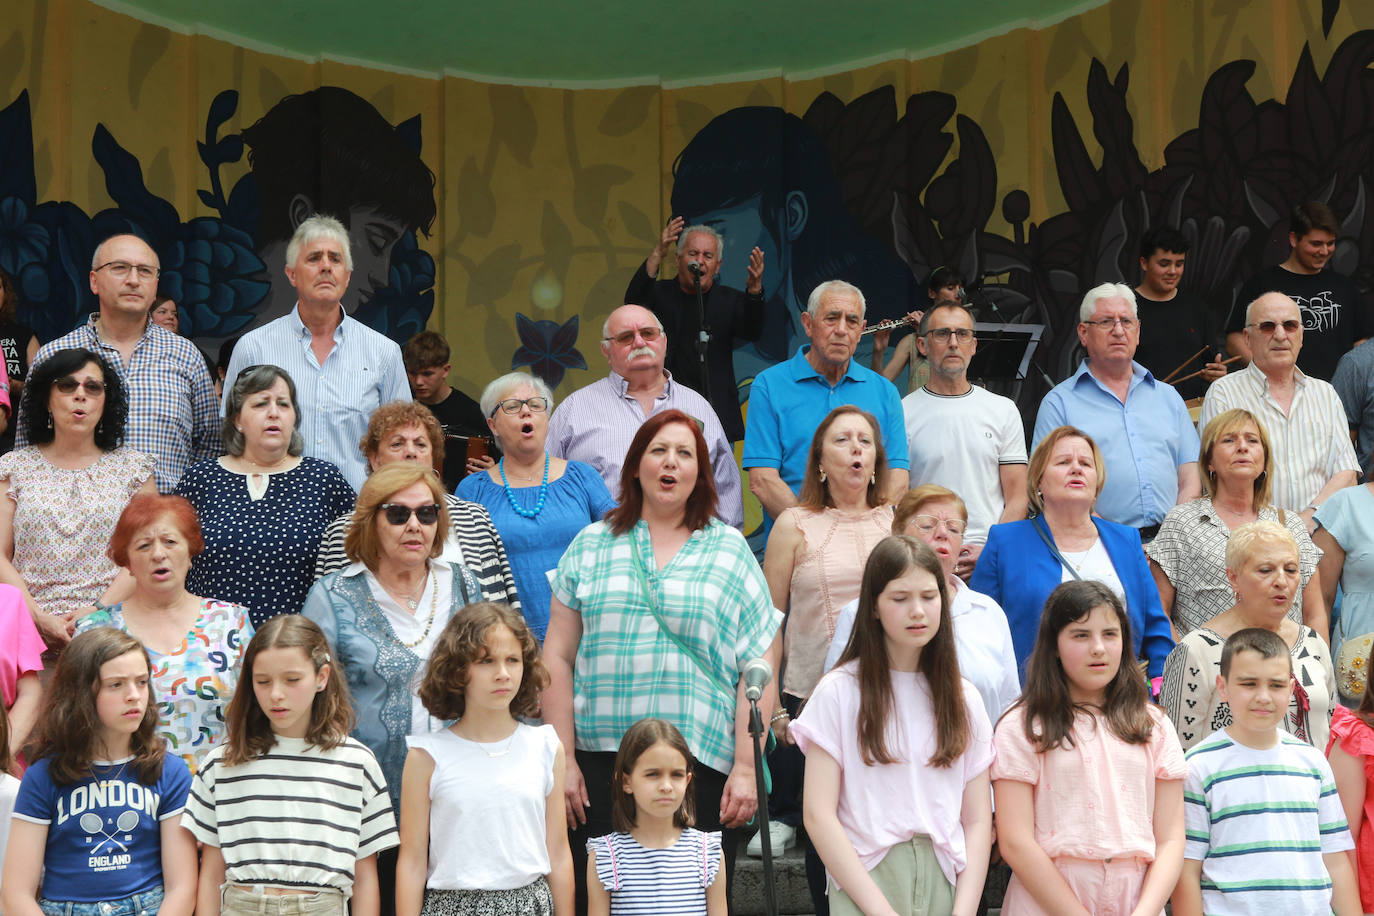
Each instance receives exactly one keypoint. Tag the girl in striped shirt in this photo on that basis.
(655, 862)
(291, 810)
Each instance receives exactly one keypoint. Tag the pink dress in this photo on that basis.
(1357, 740)
(21, 648)
(826, 577)
(1094, 807)
(63, 520)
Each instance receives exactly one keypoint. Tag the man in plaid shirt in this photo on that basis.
(173, 415)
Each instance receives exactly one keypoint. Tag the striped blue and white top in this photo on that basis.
(1260, 821)
(295, 817)
(656, 881)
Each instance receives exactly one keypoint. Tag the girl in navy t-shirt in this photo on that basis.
(97, 812)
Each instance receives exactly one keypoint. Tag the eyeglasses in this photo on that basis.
(963, 335)
(1106, 324)
(398, 515)
(513, 405)
(1292, 326)
(120, 270)
(66, 384)
(926, 524)
(625, 338)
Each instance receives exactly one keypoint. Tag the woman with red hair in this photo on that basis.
(656, 611)
(194, 643)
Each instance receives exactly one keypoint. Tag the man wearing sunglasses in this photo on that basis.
(1141, 425)
(963, 437)
(173, 414)
(1334, 319)
(596, 424)
(1307, 428)
(731, 316)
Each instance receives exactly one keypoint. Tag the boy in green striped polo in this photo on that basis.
(1266, 833)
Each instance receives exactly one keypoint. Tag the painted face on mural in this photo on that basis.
(742, 228)
(372, 235)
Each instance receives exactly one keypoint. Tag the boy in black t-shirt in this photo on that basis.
(1174, 323)
(426, 360)
(1333, 317)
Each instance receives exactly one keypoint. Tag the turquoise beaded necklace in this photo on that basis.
(510, 493)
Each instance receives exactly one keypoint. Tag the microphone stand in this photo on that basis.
(703, 339)
(756, 732)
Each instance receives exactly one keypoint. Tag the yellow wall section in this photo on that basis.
(550, 197)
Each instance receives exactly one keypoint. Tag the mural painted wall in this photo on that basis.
(510, 218)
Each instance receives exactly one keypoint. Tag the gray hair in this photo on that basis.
(315, 227)
(1105, 291)
(498, 388)
(606, 325)
(813, 303)
(250, 382)
(703, 229)
(957, 306)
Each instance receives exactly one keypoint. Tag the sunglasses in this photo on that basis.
(398, 515)
(1292, 326)
(66, 384)
(625, 338)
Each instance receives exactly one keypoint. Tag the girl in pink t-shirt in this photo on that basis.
(897, 749)
(1089, 775)
(1350, 750)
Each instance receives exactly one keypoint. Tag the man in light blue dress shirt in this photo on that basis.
(1141, 425)
(343, 369)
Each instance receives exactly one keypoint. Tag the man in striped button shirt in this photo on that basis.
(1313, 455)
(343, 369)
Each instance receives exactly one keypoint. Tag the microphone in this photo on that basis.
(757, 674)
(695, 268)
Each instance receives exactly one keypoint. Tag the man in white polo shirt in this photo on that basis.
(964, 437)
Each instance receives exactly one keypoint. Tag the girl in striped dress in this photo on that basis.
(655, 862)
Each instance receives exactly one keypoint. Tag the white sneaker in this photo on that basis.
(781, 837)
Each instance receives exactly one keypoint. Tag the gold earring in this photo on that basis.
(822, 470)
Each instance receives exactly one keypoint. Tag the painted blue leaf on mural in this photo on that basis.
(155, 218)
(211, 272)
(16, 151)
(547, 347)
(401, 309)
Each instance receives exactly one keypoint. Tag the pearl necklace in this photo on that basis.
(510, 493)
(433, 606)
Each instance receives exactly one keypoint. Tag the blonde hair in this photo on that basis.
(361, 544)
(1040, 459)
(1232, 421)
(910, 504)
(1250, 537)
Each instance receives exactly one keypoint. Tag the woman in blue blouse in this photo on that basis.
(537, 502)
(1023, 562)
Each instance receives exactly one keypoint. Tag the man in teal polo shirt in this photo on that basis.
(788, 401)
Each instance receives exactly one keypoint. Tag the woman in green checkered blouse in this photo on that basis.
(656, 610)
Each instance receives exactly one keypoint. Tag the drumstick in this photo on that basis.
(1180, 381)
(1168, 379)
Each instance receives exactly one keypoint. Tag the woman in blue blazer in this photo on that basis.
(1022, 562)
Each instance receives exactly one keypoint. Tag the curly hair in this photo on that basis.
(69, 727)
(109, 432)
(464, 641)
(390, 417)
(331, 712)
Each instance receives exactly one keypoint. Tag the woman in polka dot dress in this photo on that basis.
(262, 507)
